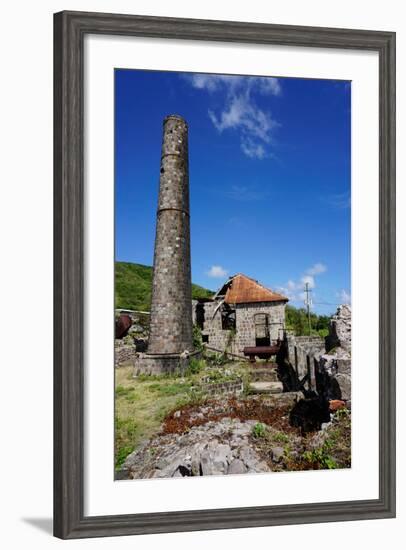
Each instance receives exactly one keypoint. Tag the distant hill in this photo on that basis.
(133, 287)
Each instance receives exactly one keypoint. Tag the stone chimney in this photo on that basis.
(171, 307)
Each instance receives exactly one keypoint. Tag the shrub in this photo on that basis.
(219, 359)
(195, 366)
(321, 457)
(259, 430)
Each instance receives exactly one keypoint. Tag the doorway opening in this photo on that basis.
(262, 337)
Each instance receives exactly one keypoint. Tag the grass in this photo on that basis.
(142, 403)
(133, 284)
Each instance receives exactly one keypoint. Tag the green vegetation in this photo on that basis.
(133, 283)
(323, 450)
(321, 457)
(142, 403)
(217, 376)
(195, 366)
(280, 437)
(296, 320)
(259, 430)
(197, 338)
(216, 359)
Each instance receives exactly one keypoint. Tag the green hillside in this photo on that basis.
(133, 287)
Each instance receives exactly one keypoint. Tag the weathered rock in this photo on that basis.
(277, 454)
(344, 381)
(340, 329)
(209, 449)
(237, 466)
(343, 365)
(215, 458)
(333, 375)
(251, 460)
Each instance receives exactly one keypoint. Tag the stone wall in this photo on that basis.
(302, 353)
(218, 338)
(245, 322)
(124, 354)
(234, 387)
(334, 368)
(244, 334)
(328, 373)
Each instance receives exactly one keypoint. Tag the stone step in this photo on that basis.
(264, 375)
(268, 378)
(266, 387)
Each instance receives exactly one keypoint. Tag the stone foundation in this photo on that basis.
(156, 364)
(164, 363)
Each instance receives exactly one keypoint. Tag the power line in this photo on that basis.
(307, 290)
(326, 304)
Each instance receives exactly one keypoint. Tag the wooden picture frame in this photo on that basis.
(69, 518)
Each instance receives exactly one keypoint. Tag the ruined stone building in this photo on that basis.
(241, 314)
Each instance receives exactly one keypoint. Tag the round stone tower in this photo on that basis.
(171, 307)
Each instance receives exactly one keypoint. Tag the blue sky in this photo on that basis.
(269, 167)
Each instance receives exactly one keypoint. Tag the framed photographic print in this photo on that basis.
(224, 275)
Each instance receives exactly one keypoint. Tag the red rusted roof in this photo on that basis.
(244, 290)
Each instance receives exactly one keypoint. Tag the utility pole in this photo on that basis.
(307, 290)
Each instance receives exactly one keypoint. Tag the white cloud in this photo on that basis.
(340, 201)
(217, 271)
(252, 149)
(316, 269)
(214, 82)
(245, 194)
(270, 85)
(265, 85)
(345, 297)
(295, 290)
(240, 112)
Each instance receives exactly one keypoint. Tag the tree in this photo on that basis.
(296, 320)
